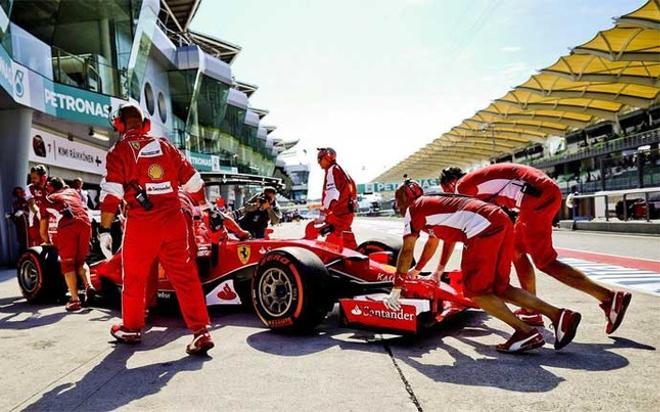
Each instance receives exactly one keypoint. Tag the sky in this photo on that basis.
(378, 79)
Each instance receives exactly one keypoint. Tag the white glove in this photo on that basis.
(438, 273)
(392, 300)
(105, 242)
(320, 220)
(19, 213)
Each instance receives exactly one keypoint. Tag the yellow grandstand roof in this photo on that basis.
(615, 72)
(554, 86)
(528, 100)
(623, 44)
(646, 16)
(584, 67)
(503, 111)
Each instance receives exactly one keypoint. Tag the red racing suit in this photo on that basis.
(484, 229)
(529, 190)
(74, 229)
(139, 165)
(338, 202)
(34, 194)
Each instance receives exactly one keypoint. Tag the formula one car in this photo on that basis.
(291, 283)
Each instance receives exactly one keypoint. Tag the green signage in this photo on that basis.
(377, 187)
(202, 161)
(78, 105)
(6, 71)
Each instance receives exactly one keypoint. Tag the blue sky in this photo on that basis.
(377, 79)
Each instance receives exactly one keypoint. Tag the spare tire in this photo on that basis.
(39, 276)
(289, 290)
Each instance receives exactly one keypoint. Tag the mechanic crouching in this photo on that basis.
(74, 231)
(487, 235)
(258, 211)
(147, 173)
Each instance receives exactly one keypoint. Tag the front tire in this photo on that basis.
(288, 290)
(39, 276)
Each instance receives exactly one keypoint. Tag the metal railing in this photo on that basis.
(624, 194)
(622, 143)
(86, 71)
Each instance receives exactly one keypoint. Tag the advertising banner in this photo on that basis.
(204, 162)
(78, 105)
(391, 187)
(6, 77)
(50, 149)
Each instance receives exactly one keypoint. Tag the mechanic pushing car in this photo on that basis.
(538, 199)
(147, 172)
(74, 231)
(34, 195)
(486, 233)
(339, 198)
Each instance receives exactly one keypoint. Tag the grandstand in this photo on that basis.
(591, 119)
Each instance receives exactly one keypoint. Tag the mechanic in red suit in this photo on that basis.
(34, 194)
(487, 235)
(197, 227)
(538, 199)
(339, 198)
(147, 173)
(74, 231)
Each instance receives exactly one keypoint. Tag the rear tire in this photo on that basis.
(39, 276)
(288, 290)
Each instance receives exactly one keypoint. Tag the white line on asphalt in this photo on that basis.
(643, 280)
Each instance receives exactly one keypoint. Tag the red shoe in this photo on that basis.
(201, 343)
(529, 317)
(124, 335)
(615, 310)
(73, 306)
(522, 342)
(565, 327)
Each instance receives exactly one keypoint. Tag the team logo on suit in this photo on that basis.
(155, 171)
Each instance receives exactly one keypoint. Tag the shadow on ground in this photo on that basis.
(111, 384)
(520, 373)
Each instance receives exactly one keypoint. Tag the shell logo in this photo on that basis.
(155, 171)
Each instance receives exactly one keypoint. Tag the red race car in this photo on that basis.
(291, 283)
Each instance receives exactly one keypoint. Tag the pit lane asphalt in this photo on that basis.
(57, 361)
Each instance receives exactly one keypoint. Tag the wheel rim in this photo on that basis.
(28, 275)
(275, 292)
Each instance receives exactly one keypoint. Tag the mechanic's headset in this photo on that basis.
(411, 188)
(327, 153)
(119, 123)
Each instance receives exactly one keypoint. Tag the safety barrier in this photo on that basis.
(607, 196)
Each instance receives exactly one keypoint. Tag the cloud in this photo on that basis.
(510, 49)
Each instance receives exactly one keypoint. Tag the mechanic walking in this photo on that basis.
(486, 233)
(74, 231)
(147, 173)
(538, 198)
(339, 198)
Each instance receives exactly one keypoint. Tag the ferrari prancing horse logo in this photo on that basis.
(243, 253)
